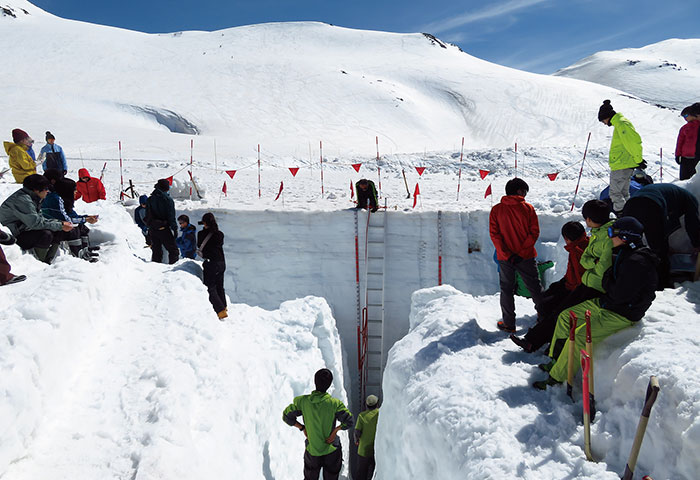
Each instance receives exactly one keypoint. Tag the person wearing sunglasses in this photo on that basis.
(688, 143)
(629, 284)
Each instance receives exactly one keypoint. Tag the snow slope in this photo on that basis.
(665, 73)
(120, 369)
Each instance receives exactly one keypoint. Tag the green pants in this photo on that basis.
(603, 324)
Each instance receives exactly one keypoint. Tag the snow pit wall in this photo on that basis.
(274, 256)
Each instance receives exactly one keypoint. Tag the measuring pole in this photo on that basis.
(439, 247)
(259, 194)
(216, 167)
(320, 143)
(580, 172)
(661, 163)
(121, 172)
(191, 156)
(379, 169)
(516, 159)
(459, 177)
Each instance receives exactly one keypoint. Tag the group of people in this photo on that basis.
(155, 216)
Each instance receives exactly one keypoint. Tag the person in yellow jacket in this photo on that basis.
(21, 163)
(625, 154)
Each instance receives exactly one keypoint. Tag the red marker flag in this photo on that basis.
(420, 170)
(352, 190)
(357, 166)
(223, 189)
(280, 192)
(416, 192)
(231, 173)
(552, 176)
(294, 171)
(483, 173)
(170, 180)
(488, 191)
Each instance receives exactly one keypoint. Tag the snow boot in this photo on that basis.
(522, 343)
(546, 367)
(505, 328)
(16, 279)
(222, 314)
(543, 384)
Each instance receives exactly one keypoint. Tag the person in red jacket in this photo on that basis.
(514, 230)
(90, 189)
(688, 143)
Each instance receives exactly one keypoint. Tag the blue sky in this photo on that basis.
(535, 35)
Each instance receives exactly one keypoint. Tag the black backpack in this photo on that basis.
(53, 160)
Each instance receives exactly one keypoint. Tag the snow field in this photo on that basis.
(457, 393)
(120, 369)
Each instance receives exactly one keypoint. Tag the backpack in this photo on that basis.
(53, 160)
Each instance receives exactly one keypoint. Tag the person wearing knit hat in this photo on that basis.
(19, 157)
(365, 431)
(52, 155)
(629, 292)
(625, 154)
(162, 226)
(140, 218)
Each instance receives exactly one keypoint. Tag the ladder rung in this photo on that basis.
(375, 242)
(375, 258)
(374, 352)
(375, 273)
(375, 337)
(375, 305)
(374, 368)
(374, 289)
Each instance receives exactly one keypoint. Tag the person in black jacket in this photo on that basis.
(658, 208)
(629, 284)
(366, 194)
(210, 246)
(162, 227)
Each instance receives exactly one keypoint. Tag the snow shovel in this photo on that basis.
(586, 367)
(570, 364)
(652, 392)
(589, 350)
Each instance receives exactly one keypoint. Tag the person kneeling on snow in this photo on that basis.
(90, 189)
(21, 213)
(59, 205)
(629, 290)
(366, 195)
(187, 241)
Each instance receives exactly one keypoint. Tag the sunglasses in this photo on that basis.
(685, 115)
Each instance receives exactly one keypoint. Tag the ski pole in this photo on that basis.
(589, 350)
(570, 364)
(586, 367)
(580, 172)
(652, 392)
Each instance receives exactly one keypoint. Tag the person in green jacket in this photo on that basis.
(320, 412)
(365, 431)
(597, 257)
(625, 154)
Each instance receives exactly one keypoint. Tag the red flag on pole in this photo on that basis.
(223, 189)
(488, 191)
(416, 192)
(231, 173)
(170, 180)
(294, 171)
(552, 176)
(357, 166)
(352, 190)
(280, 192)
(483, 173)
(420, 170)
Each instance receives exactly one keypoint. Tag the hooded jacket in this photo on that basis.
(89, 191)
(160, 211)
(631, 282)
(574, 269)
(597, 257)
(514, 228)
(626, 145)
(21, 212)
(320, 412)
(686, 145)
(20, 161)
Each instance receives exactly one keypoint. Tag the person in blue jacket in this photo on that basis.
(53, 155)
(187, 241)
(140, 218)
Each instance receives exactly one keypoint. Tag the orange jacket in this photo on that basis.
(514, 228)
(89, 191)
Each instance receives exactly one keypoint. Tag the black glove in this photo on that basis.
(642, 165)
(678, 160)
(515, 259)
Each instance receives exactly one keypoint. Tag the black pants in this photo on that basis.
(163, 238)
(556, 299)
(331, 465)
(688, 165)
(528, 272)
(214, 280)
(651, 215)
(35, 238)
(365, 467)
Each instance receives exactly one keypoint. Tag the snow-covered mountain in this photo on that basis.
(665, 73)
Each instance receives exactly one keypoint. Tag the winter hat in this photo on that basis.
(143, 199)
(628, 229)
(597, 210)
(49, 136)
(372, 401)
(605, 111)
(19, 135)
(323, 379)
(163, 184)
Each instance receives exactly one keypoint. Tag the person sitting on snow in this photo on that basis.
(629, 291)
(21, 213)
(6, 278)
(187, 242)
(20, 155)
(514, 229)
(562, 294)
(90, 189)
(59, 205)
(140, 218)
(321, 412)
(366, 195)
